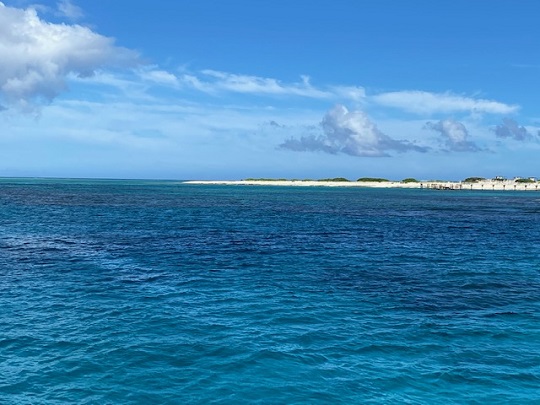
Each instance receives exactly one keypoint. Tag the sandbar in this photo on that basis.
(486, 185)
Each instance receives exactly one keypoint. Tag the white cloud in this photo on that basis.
(37, 56)
(213, 81)
(159, 76)
(352, 133)
(353, 93)
(422, 102)
(454, 134)
(67, 9)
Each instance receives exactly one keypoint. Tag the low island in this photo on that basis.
(470, 183)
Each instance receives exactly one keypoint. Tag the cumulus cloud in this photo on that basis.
(213, 81)
(352, 133)
(511, 129)
(422, 102)
(454, 134)
(36, 56)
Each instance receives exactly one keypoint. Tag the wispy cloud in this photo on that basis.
(213, 81)
(67, 9)
(37, 56)
(422, 102)
(158, 76)
(352, 133)
(454, 135)
(511, 129)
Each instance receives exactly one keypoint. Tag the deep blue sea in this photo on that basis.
(147, 292)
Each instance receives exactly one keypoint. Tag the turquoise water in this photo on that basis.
(160, 292)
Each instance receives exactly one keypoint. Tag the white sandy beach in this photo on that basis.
(487, 185)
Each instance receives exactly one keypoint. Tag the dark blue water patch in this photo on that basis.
(161, 292)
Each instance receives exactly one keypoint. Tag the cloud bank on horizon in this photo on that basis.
(44, 58)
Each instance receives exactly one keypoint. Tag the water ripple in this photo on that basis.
(162, 293)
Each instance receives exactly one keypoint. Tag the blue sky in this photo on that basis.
(298, 89)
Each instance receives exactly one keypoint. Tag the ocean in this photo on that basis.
(149, 292)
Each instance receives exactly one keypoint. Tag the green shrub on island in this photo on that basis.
(525, 180)
(336, 179)
(473, 179)
(372, 179)
(409, 180)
